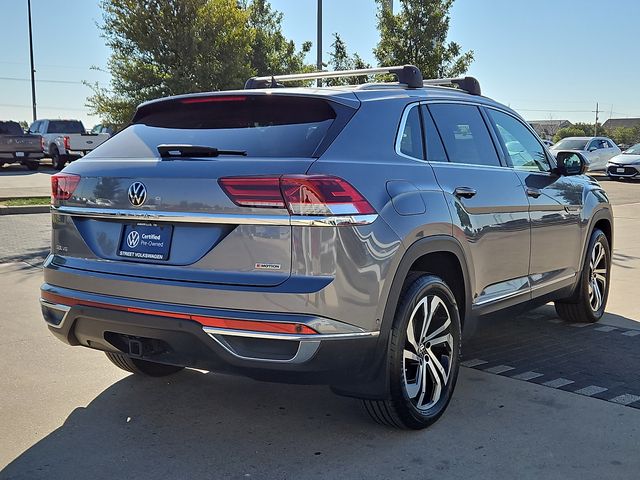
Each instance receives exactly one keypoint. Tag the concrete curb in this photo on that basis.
(24, 209)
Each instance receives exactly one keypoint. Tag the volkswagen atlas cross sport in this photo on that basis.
(339, 236)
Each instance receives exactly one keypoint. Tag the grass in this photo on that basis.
(21, 202)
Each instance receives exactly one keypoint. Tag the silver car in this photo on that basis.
(625, 165)
(597, 150)
(340, 236)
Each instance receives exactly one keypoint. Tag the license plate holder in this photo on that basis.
(620, 170)
(145, 241)
(19, 154)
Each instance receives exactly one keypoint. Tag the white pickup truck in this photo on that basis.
(66, 140)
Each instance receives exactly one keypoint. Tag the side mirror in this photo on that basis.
(570, 163)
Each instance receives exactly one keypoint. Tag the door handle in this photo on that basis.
(533, 192)
(464, 192)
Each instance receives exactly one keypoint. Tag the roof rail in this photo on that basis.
(468, 84)
(409, 75)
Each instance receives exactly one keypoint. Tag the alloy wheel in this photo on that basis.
(597, 276)
(428, 352)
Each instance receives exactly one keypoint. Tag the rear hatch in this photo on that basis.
(153, 202)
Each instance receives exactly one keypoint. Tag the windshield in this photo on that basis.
(635, 150)
(571, 144)
(10, 128)
(65, 126)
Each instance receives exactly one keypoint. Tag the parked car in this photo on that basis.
(597, 150)
(65, 140)
(625, 165)
(19, 147)
(100, 128)
(321, 235)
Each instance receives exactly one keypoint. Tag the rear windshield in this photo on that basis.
(10, 128)
(260, 125)
(65, 126)
(571, 144)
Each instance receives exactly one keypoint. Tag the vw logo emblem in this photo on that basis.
(133, 239)
(137, 194)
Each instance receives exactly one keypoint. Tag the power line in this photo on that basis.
(16, 105)
(18, 79)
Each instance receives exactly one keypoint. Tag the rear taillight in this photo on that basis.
(322, 195)
(300, 194)
(67, 143)
(63, 185)
(42, 143)
(262, 192)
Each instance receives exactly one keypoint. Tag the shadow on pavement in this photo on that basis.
(195, 425)
(18, 170)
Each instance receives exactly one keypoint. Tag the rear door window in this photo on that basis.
(464, 134)
(260, 125)
(435, 149)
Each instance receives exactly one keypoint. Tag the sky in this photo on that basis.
(547, 59)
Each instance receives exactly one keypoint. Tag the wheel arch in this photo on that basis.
(434, 253)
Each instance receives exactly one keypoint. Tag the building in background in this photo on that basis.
(548, 128)
(614, 123)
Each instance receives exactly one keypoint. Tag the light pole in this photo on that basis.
(33, 71)
(319, 41)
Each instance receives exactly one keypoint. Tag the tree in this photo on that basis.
(565, 132)
(170, 47)
(339, 59)
(272, 53)
(417, 35)
(624, 135)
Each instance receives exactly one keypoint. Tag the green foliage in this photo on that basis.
(417, 35)
(569, 132)
(625, 135)
(23, 124)
(271, 52)
(339, 59)
(170, 47)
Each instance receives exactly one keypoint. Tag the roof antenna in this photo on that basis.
(274, 84)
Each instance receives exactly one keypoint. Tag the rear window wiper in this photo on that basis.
(181, 151)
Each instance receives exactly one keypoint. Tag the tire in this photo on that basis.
(57, 160)
(142, 367)
(587, 305)
(416, 399)
(33, 166)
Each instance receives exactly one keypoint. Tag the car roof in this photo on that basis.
(352, 95)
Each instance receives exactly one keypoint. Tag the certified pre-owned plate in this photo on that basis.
(146, 241)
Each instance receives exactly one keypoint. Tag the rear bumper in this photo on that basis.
(339, 355)
(10, 157)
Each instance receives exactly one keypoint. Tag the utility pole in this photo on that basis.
(319, 42)
(595, 125)
(33, 70)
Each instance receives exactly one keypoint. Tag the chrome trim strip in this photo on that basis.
(287, 336)
(504, 296)
(56, 306)
(528, 290)
(551, 282)
(215, 218)
(307, 344)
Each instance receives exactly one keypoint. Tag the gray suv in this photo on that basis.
(339, 236)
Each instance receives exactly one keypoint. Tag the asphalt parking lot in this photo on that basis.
(538, 398)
